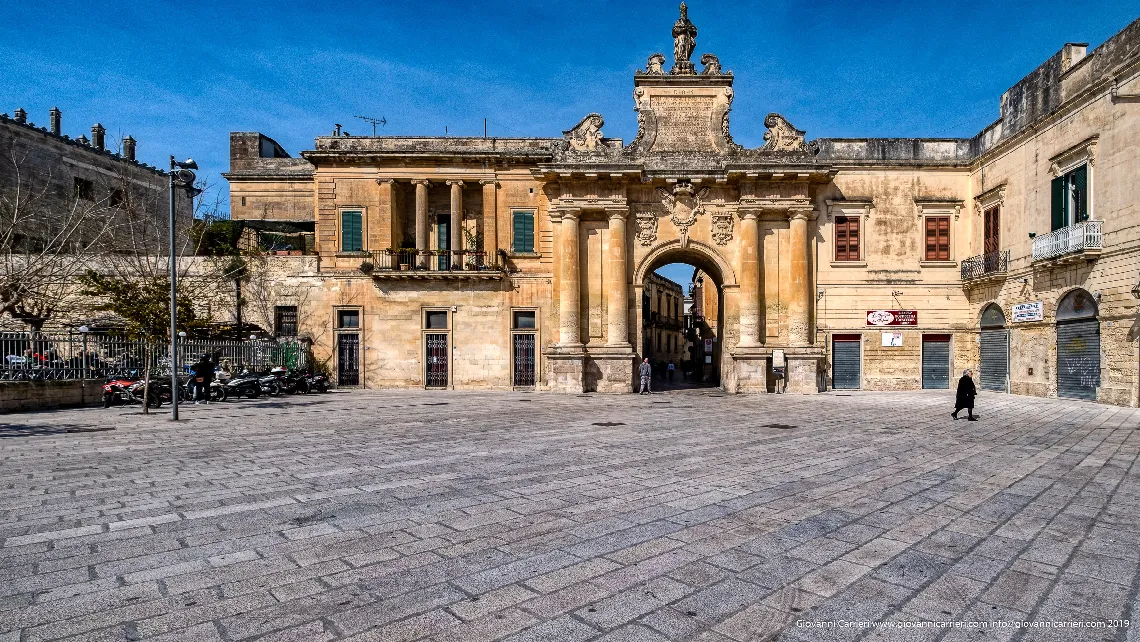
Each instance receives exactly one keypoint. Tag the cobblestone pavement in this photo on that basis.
(486, 516)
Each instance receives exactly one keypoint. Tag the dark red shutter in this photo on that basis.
(846, 238)
(938, 238)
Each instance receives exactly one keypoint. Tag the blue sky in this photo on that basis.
(180, 76)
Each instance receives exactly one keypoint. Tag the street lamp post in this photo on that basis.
(83, 330)
(183, 176)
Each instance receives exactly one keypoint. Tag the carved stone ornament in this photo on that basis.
(655, 66)
(712, 66)
(684, 41)
(782, 137)
(721, 227)
(586, 135)
(646, 219)
(683, 206)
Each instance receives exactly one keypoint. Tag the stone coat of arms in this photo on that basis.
(683, 205)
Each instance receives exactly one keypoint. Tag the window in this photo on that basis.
(523, 228)
(524, 320)
(285, 321)
(348, 319)
(937, 238)
(351, 239)
(991, 242)
(117, 198)
(1071, 198)
(84, 189)
(435, 320)
(846, 238)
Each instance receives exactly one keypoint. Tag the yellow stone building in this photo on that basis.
(878, 264)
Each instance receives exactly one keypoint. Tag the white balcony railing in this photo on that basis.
(1068, 240)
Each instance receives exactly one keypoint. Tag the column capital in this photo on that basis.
(455, 183)
(749, 214)
(488, 181)
(801, 213)
(421, 181)
(617, 212)
(563, 212)
(385, 181)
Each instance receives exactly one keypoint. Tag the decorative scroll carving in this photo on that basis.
(683, 206)
(712, 65)
(782, 137)
(655, 66)
(646, 218)
(721, 226)
(586, 135)
(684, 41)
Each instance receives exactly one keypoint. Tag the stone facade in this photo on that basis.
(662, 313)
(798, 239)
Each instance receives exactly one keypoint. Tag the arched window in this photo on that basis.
(1076, 305)
(993, 317)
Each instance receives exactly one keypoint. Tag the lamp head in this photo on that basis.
(84, 329)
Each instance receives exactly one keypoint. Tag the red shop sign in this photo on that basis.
(892, 317)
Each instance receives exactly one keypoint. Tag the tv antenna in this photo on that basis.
(375, 121)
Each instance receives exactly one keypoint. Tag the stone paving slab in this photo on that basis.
(414, 515)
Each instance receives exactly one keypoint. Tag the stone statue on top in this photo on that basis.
(684, 42)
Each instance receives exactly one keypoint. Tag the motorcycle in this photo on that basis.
(217, 392)
(244, 385)
(316, 382)
(117, 392)
(158, 392)
(290, 382)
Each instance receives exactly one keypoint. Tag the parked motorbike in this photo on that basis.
(290, 381)
(218, 390)
(316, 382)
(117, 392)
(157, 393)
(244, 385)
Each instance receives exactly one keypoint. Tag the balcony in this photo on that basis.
(433, 264)
(1075, 242)
(985, 267)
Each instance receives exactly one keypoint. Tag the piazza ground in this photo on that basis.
(485, 516)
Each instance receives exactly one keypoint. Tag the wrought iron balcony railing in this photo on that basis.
(994, 264)
(432, 262)
(1074, 239)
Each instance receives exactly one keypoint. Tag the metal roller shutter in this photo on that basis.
(995, 359)
(1078, 359)
(936, 361)
(846, 364)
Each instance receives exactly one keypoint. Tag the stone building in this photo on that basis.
(65, 173)
(866, 263)
(662, 318)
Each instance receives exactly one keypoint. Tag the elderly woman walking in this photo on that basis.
(965, 396)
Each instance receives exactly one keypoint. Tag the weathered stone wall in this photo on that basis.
(17, 396)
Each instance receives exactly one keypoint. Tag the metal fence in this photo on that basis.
(97, 355)
(982, 265)
(432, 260)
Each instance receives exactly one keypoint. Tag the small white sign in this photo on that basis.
(708, 358)
(1032, 311)
(892, 339)
(778, 358)
(708, 345)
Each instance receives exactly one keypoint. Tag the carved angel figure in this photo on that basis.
(586, 135)
(655, 65)
(712, 65)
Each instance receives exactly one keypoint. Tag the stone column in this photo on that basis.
(569, 287)
(749, 278)
(421, 218)
(490, 222)
(457, 235)
(799, 282)
(617, 281)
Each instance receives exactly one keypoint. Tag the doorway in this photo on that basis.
(348, 359)
(1078, 346)
(994, 373)
(936, 361)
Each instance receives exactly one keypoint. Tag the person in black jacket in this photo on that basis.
(965, 396)
(201, 379)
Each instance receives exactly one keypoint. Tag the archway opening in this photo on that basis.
(994, 366)
(681, 319)
(1078, 346)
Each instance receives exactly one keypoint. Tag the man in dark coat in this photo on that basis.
(201, 379)
(965, 396)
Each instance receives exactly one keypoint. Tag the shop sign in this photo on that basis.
(892, 339)
(1032, 311)
(708, 345)
(892, 317)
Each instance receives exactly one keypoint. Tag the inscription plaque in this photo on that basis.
(683, 123)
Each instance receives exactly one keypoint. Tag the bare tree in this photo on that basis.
(45, 243)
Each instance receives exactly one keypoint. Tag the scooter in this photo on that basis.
(244, 385)
(316, 382)
(117, 392)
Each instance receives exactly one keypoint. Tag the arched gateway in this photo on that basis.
(682, 190)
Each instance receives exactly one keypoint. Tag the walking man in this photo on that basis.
(203, 375)
(965, 396)
(646, 373)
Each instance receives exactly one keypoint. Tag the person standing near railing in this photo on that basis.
(203, 375)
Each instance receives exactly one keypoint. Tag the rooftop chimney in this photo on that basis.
(55, 118)
(129, 148)
(97, 133)
(21, 115)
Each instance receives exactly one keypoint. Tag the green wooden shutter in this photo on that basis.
(1081, 193)
(351, 238)
(1058, 203)
(523, 236)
